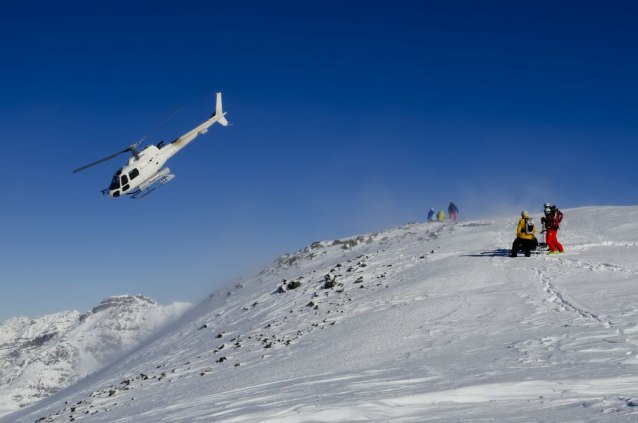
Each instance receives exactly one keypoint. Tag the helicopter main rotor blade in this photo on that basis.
(160, 125)
(102, 160)
(131, 147)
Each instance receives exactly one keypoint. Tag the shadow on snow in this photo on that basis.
(501, 252)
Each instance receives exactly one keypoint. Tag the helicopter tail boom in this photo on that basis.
(185, 139)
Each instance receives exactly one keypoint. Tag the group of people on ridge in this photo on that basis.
(440, 216)
(526, 232)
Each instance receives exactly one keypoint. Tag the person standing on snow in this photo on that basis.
(555, 212)
(440, 216)
(431, 215)
(551, 223)
(452, 210)
(525, 235)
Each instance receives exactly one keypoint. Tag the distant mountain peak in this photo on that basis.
(124, 301)
(40, 356)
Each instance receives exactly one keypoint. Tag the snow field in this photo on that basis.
(425, 322)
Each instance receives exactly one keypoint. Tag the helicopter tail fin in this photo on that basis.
(219, 114)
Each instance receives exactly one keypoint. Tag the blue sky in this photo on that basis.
(349, 117)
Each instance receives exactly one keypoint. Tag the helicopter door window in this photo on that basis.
(124, 179)
(133, 174)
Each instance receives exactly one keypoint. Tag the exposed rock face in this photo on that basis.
(124, 301)
(39, 357)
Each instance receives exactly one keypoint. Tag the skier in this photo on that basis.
(440, 216)
(551, 224)
(525, 235)
(452, 210)
(431, 214)
(555, 212)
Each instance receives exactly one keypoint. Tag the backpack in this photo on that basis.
(528, 227)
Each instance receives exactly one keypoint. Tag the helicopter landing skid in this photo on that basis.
(141, 193)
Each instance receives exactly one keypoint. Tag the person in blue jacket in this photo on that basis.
(431, 217)
(452, 211)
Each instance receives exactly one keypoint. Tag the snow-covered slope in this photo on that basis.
(425, 322)
(41, 356)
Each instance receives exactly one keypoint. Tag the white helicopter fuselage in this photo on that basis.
(145, 168)
(139, 169)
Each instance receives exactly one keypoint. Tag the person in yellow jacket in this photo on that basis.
(440, 216)
(525, 235)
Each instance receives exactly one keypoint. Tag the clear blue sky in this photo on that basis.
(349, 117)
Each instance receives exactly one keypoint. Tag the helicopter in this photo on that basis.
(144, 172)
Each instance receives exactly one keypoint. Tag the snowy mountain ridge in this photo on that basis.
(41, 356)
(425, 322)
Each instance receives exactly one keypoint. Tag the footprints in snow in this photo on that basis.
(556, 297)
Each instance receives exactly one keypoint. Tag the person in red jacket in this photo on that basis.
(551, 223)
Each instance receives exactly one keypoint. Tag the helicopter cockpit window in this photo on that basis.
(115, 183)
(133, 174)
(124, 179)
